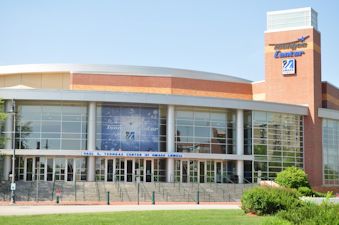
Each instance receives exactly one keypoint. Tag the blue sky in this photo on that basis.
(215, 36)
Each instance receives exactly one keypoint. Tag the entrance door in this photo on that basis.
(193, 171)
(70, 169)
(149, 170)
(29, 169)
(210, 171)
(139, 170)
(40, 168)
(120, 170)
(129, 170)
(60, 169)
(110, 170)
(50, 169)
(202, 172)
(219, 172)
(184, 174)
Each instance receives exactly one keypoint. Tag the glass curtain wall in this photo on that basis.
(330, 151)
(200, 130)
(247, 132)
(46, 125)
(277, 143)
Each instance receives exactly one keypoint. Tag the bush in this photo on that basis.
(305, 191)
(267, 200)
(319, 194)
(276, 221)
(300, 214)
(312, 214)
(292, 177)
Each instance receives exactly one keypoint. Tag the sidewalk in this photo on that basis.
(8, 210)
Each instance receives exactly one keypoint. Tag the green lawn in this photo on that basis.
(191, 217)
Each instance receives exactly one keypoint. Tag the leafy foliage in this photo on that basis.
(3, 117)
(276, 221)
(292, 177)
(305, 191)
(312, 214)
(268, 200)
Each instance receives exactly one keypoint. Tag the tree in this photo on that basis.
(292, 177)
(3, 117)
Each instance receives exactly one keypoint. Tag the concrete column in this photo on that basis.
(240, 171)
(7, 167)
(240, 144)
(91, 136)
(170, 138)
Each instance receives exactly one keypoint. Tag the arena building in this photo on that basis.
(131, 123)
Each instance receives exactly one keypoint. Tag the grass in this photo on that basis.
(191, 217)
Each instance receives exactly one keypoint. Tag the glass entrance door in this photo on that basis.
(120, 169)
(202, 172)
(40, 168)
(50, 169)
(184, 174)
(60, 169)
(210, 171)
(110, 169)
(70, 170)
(29, 169)
(129, 170)
(20, 168)
(193, 171)
(139, 170)
(149, 170)
(219, 172)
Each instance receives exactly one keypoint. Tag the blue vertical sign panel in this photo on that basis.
(130, 128)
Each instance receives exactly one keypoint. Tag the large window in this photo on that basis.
(131, 128)
(331, 151)
(277, 142)
(53, 126)
(205, 131)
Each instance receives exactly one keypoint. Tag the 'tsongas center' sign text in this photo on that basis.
(294, 46)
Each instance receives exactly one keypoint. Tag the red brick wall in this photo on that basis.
(161, 85)
(302, 88)
(330, 96)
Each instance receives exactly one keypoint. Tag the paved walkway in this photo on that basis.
(9, 210)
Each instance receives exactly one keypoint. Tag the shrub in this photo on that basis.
(276, 221)
(300, 214)
(267, 200)
(312, 214)
(305, 191)
(319, 194)
(292, 177)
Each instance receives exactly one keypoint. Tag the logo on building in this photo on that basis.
(130, 135)
(288, 66)
(292, 46)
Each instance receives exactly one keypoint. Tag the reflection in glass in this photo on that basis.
(51, 126)
(205, 130)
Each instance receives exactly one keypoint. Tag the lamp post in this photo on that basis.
(13, 186)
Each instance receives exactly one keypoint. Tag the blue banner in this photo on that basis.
(130, 128)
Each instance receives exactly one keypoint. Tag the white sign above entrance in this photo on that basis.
(132, 154)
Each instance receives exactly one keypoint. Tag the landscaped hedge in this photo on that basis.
(269, 200)
(312, 214)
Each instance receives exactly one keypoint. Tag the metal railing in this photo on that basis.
(128, 191)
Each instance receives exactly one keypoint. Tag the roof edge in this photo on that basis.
(120, 69)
